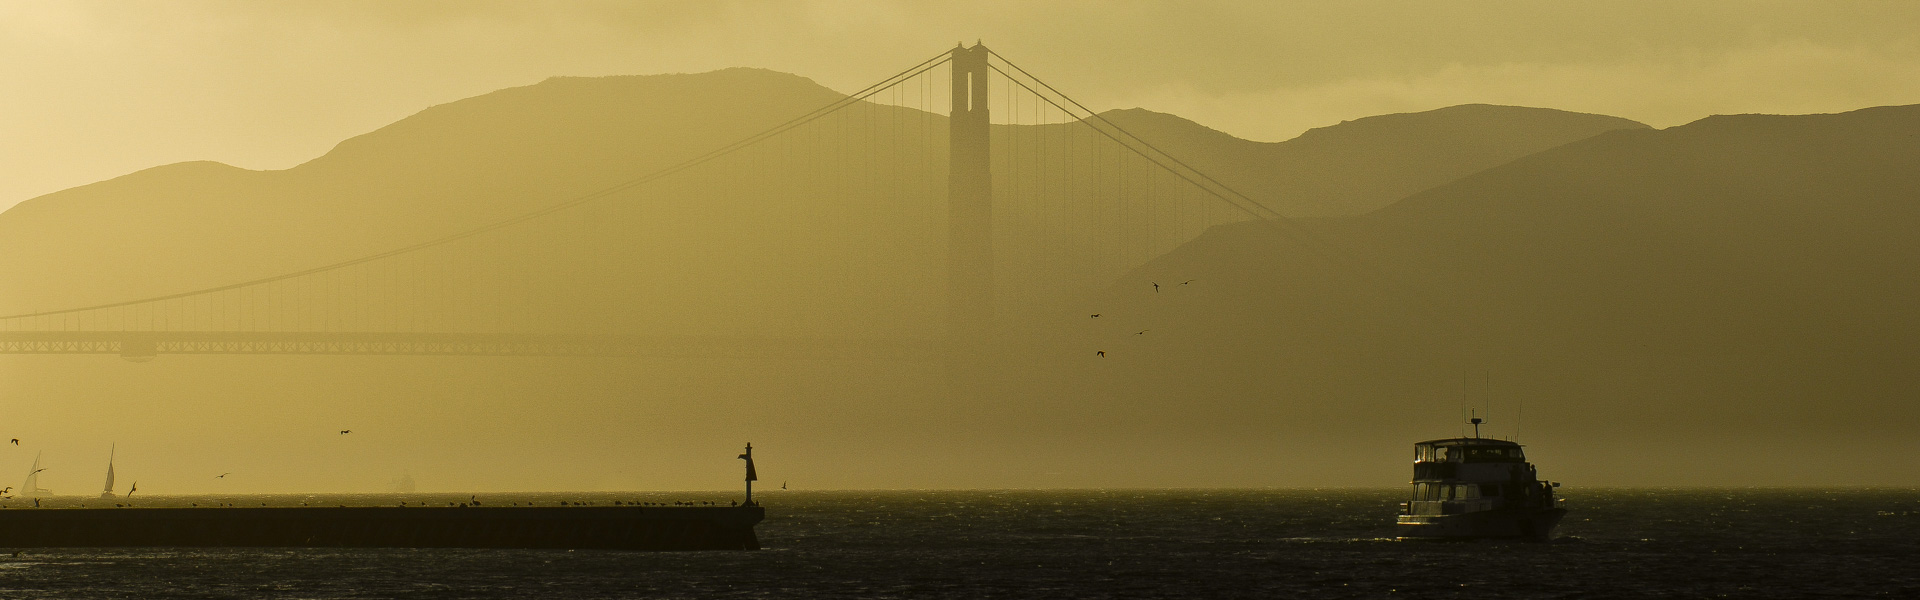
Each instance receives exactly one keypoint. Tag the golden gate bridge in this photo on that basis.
(1016, 200)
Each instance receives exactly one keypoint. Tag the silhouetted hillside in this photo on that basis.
(481, 159)
(1725, 301)
(445, 169)
(1361, 165)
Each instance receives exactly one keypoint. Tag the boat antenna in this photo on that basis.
(1463, 398)
(1475, 421)
(1519, 412)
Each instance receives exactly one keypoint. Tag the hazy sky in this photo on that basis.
(92, 90)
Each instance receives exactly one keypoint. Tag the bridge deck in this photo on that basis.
(147, 344)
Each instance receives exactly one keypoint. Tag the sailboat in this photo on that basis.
(32, 489)
(108, 495)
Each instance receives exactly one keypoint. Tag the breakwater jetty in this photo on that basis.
(659, 528)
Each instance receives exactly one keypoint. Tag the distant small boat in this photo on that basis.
(108, 495)
(402, 484)
(31, 488)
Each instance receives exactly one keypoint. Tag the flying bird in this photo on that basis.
(1101, 353)
(37, 471)
(1095, 315)
(1156, 287)
(1142, 332)
(1188, 281)
(222, 476)
(345, 431)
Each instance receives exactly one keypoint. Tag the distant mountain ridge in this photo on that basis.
(1358, 166)
(1727, 302)
(1735, 292)
(480, 159)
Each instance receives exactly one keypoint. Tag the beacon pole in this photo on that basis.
(751, 476)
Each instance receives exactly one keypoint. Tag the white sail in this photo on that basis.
(33, 476)
(109, 492)
(32, 489)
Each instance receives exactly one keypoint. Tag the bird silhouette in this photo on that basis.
(1100, 353)
(1156, 287)
(1142, 332)
(345, 431)
(1188, 281)
(1095, 315)
(222, 476)
(37, 471)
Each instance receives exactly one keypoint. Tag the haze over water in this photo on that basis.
(1156, 309)
(1162, 322)
(1646, 293)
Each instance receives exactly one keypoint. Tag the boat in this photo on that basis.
(402, 484)
(1475, 487)
(31, 488)
(108, 494)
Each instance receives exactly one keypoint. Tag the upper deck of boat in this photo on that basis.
(1473, 450)
(1470, 441)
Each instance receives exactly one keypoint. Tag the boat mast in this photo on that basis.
(1476, 421)
(109, 490)
(33, 474)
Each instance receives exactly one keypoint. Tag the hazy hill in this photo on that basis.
(1361, 165)
(1278, 357)
(447, 168)
(480, 159)
(1722, 302)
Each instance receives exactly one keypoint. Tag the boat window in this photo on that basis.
(1492, 454)
(1468, 492)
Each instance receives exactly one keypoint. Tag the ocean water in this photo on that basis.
(1615, 543)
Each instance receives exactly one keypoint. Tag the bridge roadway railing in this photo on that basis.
(148, 344)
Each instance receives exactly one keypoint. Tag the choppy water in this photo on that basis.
(1616, 543)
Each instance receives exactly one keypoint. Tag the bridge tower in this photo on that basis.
(969, 201)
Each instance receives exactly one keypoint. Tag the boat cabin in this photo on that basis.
(1459, 475)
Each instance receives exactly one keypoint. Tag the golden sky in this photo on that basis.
(93, 89)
